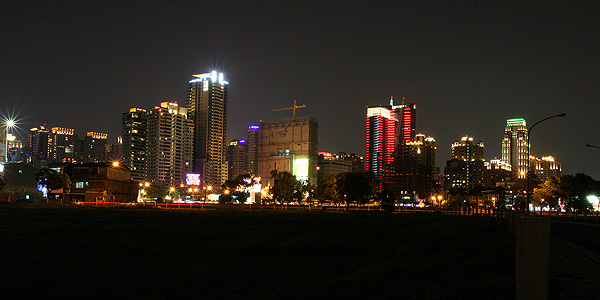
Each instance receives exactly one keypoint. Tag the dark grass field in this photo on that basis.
(105, 253)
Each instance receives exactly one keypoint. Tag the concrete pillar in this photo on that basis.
(532, 258)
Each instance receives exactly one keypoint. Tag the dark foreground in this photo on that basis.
(101, 253)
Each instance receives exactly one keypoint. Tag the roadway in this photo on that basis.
(574, 261)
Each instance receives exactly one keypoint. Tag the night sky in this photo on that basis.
(469, 66)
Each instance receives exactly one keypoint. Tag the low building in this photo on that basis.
(100, 182)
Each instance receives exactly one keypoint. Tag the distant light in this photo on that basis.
(593, 199)
(10, 123)
(115, 164)
(242, 141)
(254, 127)
(213, 76)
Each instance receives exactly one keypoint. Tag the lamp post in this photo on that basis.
(592, 146)
(528, 176)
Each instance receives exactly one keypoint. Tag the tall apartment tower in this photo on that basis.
(252, 143)
(135, 125)
(415, 171)
(466, 167)
(63, 144)
(237, 158)
(380, 142)
(407, 120)
(207, 107)
(94, 147)
(515, 147)
(169, 151)
(39, 147)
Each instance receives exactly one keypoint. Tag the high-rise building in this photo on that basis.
(545, 168)
(39, 147)
(496, 172)
(386, 128)
(381, 125)
(94, 148)
(15, 149)
(407, 120)
(515, 147)
(466, 167)
(415, 171)
(290, 145)
(135, 125)
(237, 158)
(169, 152)
(63, 144)
(252, 143)
(207, 107)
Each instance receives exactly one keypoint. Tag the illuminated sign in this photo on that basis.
(192, 179)
(301, 168)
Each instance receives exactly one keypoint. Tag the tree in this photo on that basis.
(386, 198)
(238, 188)
(356, 187)
(575, 189)
(308, 191)
(285, 186)
(53, 180)
(548, 193)
(327, 189)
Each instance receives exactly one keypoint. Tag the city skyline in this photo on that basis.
(468, 66)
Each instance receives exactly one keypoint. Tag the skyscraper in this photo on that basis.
(169, 151)
(63, 144)
(207, 107)
(386, 128)
(39, 146)
(415, 171)
(515, 147)
(237, 158)
(381, 125)
(253, 149)
(135, 124)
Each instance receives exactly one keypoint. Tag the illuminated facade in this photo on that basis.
(466, 167)
(381, 125)
(169, 151)
(288, 145)
(15, 149)
(387, 127)
(63, 144)
(515, 147)
(545, 168)
(135, 125)
(207, 107)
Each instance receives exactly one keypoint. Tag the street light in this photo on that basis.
(528, 177)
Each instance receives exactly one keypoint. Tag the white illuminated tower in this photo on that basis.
(169, 148)
(515, 147)
(207, 107)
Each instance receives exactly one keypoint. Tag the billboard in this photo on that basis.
(301, 168)
(192, 179)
